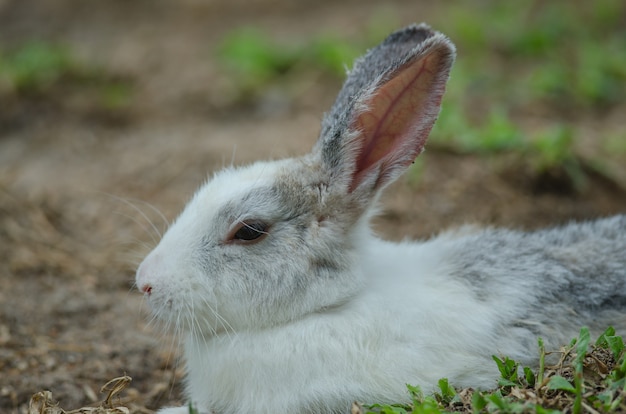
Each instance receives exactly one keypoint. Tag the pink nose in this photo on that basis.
(148, 272)
(142, 278)
(146, 289)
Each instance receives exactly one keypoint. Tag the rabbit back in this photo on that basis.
(554, 281)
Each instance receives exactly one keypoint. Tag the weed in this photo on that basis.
(35, 66)
(331, 54)
(508, 371)
(548, 59)
(39, 72)
(512, 59)
(589, 377)
(447, 395)
(553, 148)
(254, 60)
(115, 94)
(496, 133)
(253, 57)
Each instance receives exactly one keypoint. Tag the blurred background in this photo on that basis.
(113, 112)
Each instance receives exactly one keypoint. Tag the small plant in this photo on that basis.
(553, 149)
(35, 66)
(420, 404)
(587, 377)
(40, 72)
(589, 77)
(331, 54)
(115, 94)
(497, 133)
(508, 371)
(254, 57)
(254, 60)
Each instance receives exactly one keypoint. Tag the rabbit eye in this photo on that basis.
(250, 231)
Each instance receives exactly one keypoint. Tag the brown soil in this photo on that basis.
(82, 189)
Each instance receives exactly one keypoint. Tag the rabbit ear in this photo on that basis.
(386, 109)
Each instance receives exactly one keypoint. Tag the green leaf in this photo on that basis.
(498, 400)
(390, 409)
(503, 382)
(601, 341)
(416, 393)
(542, 360)
(609, 340)
(616, 345)
(447, 392)
(386, 409)
(559, 383)
(507, 368)
(478, 401)
(541, 410)
(582, 346)
(529, 375)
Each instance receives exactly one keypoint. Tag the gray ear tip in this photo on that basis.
(419, 34)
(414, 33)
(443, 40)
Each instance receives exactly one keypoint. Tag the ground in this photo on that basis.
(85, 192)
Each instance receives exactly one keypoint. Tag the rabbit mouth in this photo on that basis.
(184, 318)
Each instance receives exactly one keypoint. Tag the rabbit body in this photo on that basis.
(414, 312)
(288, 302)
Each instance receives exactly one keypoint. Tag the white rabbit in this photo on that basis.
(289, 304)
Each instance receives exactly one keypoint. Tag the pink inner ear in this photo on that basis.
(397, 119)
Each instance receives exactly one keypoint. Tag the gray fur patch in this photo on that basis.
(566, 275)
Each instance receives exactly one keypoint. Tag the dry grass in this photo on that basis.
(42, 402)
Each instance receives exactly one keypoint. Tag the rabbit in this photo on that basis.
(288, 303)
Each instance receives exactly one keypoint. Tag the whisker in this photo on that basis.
(131, 258)
(132, 205)
(156, 210)
(232, 159)
(137, 242)
(219, 321)
(144, 227)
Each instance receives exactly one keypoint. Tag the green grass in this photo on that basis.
(571, 56)
(253, 62)
(550, 60)
(524, 74)
(35, 66)
(48, 71)
(588, 375)
(253, 57)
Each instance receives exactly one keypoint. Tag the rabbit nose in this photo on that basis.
(142, 278)
(148, 274)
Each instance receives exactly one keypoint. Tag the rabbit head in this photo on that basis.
(262, 245)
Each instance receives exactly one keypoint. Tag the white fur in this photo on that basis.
(402, 326)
